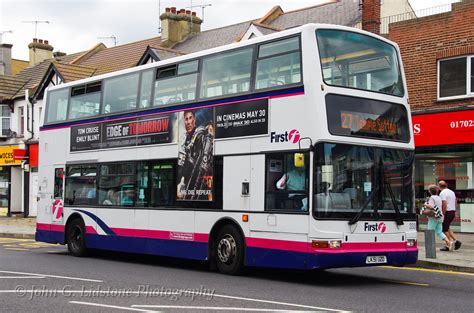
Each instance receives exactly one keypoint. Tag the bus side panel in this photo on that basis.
(172, 233)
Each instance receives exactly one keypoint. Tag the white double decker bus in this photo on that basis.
(292, 150)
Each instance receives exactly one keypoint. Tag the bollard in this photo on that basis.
(430, 244)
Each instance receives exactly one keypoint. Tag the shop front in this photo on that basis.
(10, 181)
(445, 151)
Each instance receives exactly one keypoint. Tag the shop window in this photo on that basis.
(456, 77)
(455, 165)
(287, 182)
(117, 184)
(4, 185)
(81, 185)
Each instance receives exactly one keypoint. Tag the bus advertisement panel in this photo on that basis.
(195, 155)
(141, 131)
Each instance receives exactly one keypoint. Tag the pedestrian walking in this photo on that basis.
(449, 203)
(432, 209)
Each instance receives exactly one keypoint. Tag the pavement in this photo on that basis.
(461, 260)
(17, 227)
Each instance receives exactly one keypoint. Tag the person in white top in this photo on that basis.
(435, 222)
(449, 203)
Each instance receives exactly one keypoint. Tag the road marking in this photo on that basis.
(429, 270)
(276, 302)
(16, 249)
(210, 308)
(110, 306)
(35, 244)
(105, 292)
(54, 276)
(22, 277)
(9, 240)
(404, 282)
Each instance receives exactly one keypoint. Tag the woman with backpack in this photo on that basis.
(432, 209)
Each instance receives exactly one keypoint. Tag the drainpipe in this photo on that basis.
(28, 114)
(28, 135)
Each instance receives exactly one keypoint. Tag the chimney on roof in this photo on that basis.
(58, 54)
(176, 26)
(371, 16)
(39, 51)
(5, 59)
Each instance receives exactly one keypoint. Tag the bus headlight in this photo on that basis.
(335, 244)
(411, 242)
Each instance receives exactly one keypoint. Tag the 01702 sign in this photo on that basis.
(446, 128)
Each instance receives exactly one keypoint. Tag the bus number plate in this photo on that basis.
(377, 259)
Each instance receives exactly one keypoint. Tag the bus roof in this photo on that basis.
(284, 33)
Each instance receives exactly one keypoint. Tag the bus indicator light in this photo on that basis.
(319, 244)
(245, 218)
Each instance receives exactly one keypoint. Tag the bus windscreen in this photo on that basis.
(354, 60)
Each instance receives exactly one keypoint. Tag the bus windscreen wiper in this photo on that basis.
(361, 209)
(398, 215)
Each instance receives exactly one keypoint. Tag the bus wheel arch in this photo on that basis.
(227, 235)
(74, 235)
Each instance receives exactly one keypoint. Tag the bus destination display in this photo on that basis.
(367, 123)
(361, 117)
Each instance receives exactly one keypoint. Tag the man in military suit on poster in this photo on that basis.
(195, 157)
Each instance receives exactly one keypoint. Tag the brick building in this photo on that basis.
(438, 57)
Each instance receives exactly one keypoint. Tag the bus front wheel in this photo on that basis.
(75, 237)
(229, 250)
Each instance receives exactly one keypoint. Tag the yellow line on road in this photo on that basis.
(405, 282)
(14, 239)
(429, 270)
(35, 245)
(16, 249)
(16, 242)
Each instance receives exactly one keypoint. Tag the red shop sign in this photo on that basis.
(447, 128)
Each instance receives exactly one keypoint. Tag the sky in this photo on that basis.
(76, 25)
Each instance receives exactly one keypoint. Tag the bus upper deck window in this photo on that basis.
(278, 64)
(176, 83)
(57, 105)
(120, 94)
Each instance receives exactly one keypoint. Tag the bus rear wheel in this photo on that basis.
(75, 238)
(229, 250)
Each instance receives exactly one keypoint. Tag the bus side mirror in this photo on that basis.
(299, 159)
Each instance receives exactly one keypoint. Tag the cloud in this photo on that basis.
(75, 25)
